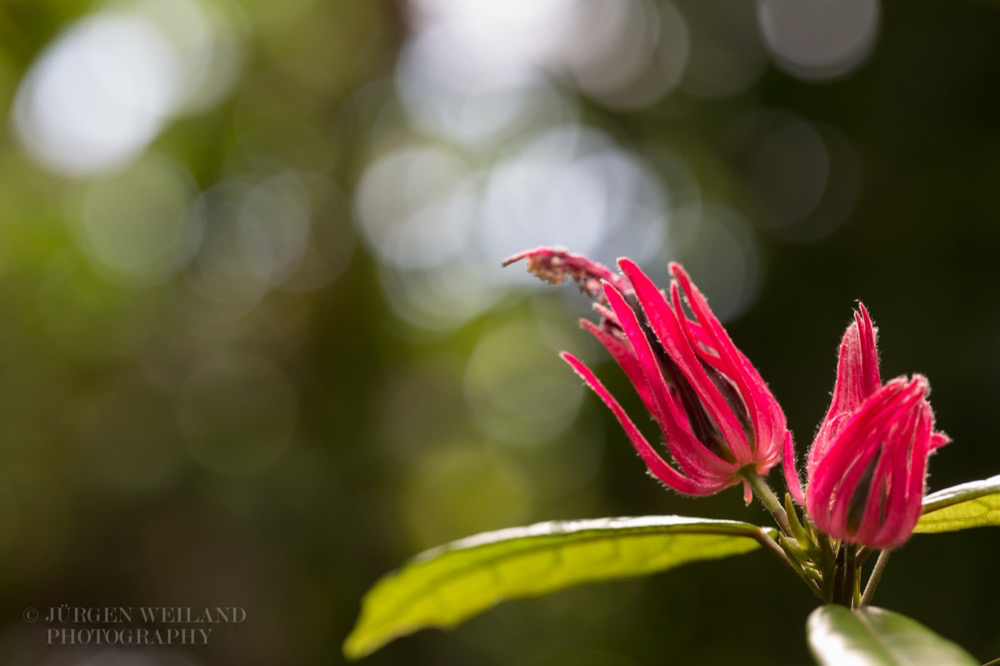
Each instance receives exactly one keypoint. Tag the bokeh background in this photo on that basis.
(257, 348)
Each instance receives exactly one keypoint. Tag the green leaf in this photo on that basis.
(446, 585)
(870, 636)
(974, 504)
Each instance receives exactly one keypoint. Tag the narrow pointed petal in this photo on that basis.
(664, 322)
(768, 420)
(939, 439)
(870, 379)
(792, 480)
(857, 378)
(903, 503)
(659, 467)
(690, 454)
(623, 355)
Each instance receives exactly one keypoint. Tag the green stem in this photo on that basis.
(769, 500)
(876, 576)
(845, 590)
(854, 571)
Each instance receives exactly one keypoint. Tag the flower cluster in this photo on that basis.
(721, 424)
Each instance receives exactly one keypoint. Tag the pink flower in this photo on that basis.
(718, 418)
(867, 466)
(857, 378)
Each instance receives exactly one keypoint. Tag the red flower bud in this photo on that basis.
(867, 466)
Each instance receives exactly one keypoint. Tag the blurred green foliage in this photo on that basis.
(236, 372)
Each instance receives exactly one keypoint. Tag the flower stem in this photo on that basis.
(769, 500)
(853, 589)
(883, 559)
(843, 576)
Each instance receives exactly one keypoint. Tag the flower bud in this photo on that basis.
(868, 486)
(867, 466)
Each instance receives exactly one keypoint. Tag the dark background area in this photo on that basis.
(257, 348)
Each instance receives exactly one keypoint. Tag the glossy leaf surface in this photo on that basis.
(974, 504)
(870, 636)
(446, 585)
